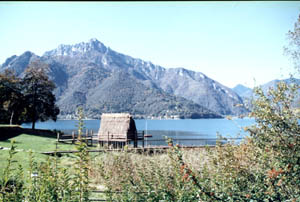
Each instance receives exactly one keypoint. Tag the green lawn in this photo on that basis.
(8, 125)
(24, 144)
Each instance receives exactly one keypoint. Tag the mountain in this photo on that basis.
(273, 83)
(103, 80)
(17, 63)
(242, 91)
(199, 88)
(247, 93)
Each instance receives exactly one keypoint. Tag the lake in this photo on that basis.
(183, 131)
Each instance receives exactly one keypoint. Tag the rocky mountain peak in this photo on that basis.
(8, 60)
(18, 63)
(93, 45)
(86, 74)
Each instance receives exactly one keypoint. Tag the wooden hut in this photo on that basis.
(117, 129)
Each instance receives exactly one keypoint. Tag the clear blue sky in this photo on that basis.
(231, 42)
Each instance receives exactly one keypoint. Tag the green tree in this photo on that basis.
(38, 94)
(11, 98)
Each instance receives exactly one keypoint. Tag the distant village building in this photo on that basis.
(117, 129)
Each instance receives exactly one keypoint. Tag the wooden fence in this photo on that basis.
(111, 140)
(73, 138)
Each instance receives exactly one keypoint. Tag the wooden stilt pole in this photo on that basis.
(57, 136)
(91, 137)
(143, 136)
(73, 137)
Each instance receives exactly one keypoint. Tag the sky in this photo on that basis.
(231, 42)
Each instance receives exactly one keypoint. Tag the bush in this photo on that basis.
(277, 137)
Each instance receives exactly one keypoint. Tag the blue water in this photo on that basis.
(184, 131)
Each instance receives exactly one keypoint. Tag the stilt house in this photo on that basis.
(117, 129)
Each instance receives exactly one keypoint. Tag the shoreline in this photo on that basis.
(157, 118)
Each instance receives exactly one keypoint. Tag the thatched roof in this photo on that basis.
(117, 126)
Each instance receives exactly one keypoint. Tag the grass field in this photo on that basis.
(8, 125)
(25, 143)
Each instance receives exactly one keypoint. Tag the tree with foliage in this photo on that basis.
(38, 94)
(11, 98)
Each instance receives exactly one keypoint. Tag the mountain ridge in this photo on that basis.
(246, 92)
(242, 91)
(80, 69)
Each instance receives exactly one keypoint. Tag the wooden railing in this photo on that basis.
(138, 139)
(73, 138)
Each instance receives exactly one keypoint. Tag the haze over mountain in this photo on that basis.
(102, 80)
